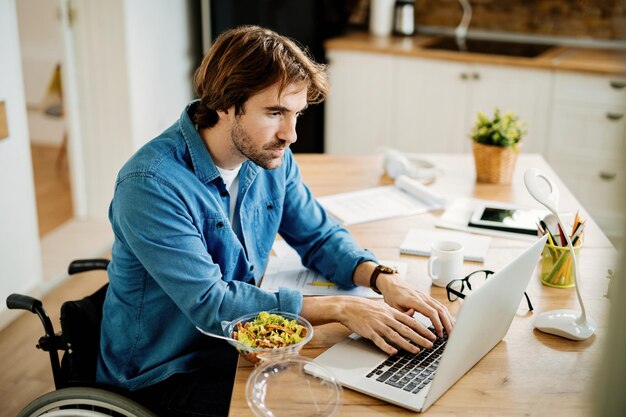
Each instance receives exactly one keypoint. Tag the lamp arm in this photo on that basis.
(583, 314)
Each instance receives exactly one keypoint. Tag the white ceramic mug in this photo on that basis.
(446, 262)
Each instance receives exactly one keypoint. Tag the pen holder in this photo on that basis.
(557, 266)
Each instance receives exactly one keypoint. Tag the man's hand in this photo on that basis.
(399, 295)
(384, 325)
(389, 324)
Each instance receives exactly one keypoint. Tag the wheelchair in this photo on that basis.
(77, 392)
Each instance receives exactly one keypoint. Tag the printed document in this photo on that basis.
(406, 197)
(286, 270)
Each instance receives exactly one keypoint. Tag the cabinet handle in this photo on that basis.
(614, 116)
(475, 76)
(607, 176)
(464, 76)
(618, 85)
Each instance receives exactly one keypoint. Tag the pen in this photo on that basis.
(562, 235)
(540, 229)
(322, 284)
(550, 237)
(578, 233)
(576, 223)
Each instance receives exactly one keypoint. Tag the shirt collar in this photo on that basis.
(201, 160)
(203, 164)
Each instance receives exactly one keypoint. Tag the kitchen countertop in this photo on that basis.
(567, 58)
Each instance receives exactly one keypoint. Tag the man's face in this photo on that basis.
(267, 125)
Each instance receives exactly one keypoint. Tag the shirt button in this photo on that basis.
(220, 225)
(270, 206)
(224, 193)
(251, 267)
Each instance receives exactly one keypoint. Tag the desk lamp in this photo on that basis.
(565, 323)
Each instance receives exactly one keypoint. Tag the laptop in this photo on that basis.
(417, 381)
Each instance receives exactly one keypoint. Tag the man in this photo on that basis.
(195, 213)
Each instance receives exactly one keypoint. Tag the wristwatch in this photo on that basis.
(380, 269)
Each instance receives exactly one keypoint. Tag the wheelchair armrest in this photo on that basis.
(24, 302)
(84, 265)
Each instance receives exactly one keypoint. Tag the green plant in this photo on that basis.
(502, 130)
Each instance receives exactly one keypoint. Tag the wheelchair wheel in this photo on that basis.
(84, 402)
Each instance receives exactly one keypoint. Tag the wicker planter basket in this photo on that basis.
(494, 164)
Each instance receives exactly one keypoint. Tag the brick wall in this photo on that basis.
(600, 19)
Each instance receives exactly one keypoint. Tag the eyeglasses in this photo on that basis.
(458, 287)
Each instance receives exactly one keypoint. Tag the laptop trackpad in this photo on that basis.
(353, 353)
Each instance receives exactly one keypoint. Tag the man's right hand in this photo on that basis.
(386, 326)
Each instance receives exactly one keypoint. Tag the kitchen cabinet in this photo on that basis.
(358, 108)
(436, 102)
(429, 110)
(586, 143)
(426, 105)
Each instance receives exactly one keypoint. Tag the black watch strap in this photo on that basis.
(380, 269)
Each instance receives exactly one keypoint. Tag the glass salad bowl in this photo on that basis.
(268, 336)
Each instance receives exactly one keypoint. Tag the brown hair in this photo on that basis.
(246, 60)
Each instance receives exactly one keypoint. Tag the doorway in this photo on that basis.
(41, 50)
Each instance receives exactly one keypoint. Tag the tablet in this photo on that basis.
(507, 219)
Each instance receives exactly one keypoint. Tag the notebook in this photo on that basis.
(482, 323)
(418, 242)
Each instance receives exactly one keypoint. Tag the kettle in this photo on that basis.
(404, 17)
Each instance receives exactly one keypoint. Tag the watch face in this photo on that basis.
(386, 269)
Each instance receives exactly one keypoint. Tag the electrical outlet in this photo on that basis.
(4, 127)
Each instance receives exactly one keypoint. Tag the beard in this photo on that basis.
(265, 156)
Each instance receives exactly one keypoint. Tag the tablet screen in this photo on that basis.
(508, 219)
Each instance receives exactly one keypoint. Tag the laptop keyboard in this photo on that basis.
(410, 372)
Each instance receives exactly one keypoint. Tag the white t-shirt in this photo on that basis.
(231, 179)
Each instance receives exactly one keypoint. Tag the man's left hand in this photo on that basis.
(398, 294)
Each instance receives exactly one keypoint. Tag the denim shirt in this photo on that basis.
(177, 264)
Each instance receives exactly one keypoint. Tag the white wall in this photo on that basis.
(41, 46)
(19, 241)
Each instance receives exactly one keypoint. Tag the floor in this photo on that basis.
(50, 170)
(52, 187)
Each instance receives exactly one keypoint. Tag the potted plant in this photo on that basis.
(496, 143)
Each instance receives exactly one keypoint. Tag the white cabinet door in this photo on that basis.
(598, 184)
(359, 105)
(526, 92)
(587, 131)
(586, 146)
(430, 105)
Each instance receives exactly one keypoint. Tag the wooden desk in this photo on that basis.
(528, 373)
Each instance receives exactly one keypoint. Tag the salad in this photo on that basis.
(269, 331)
